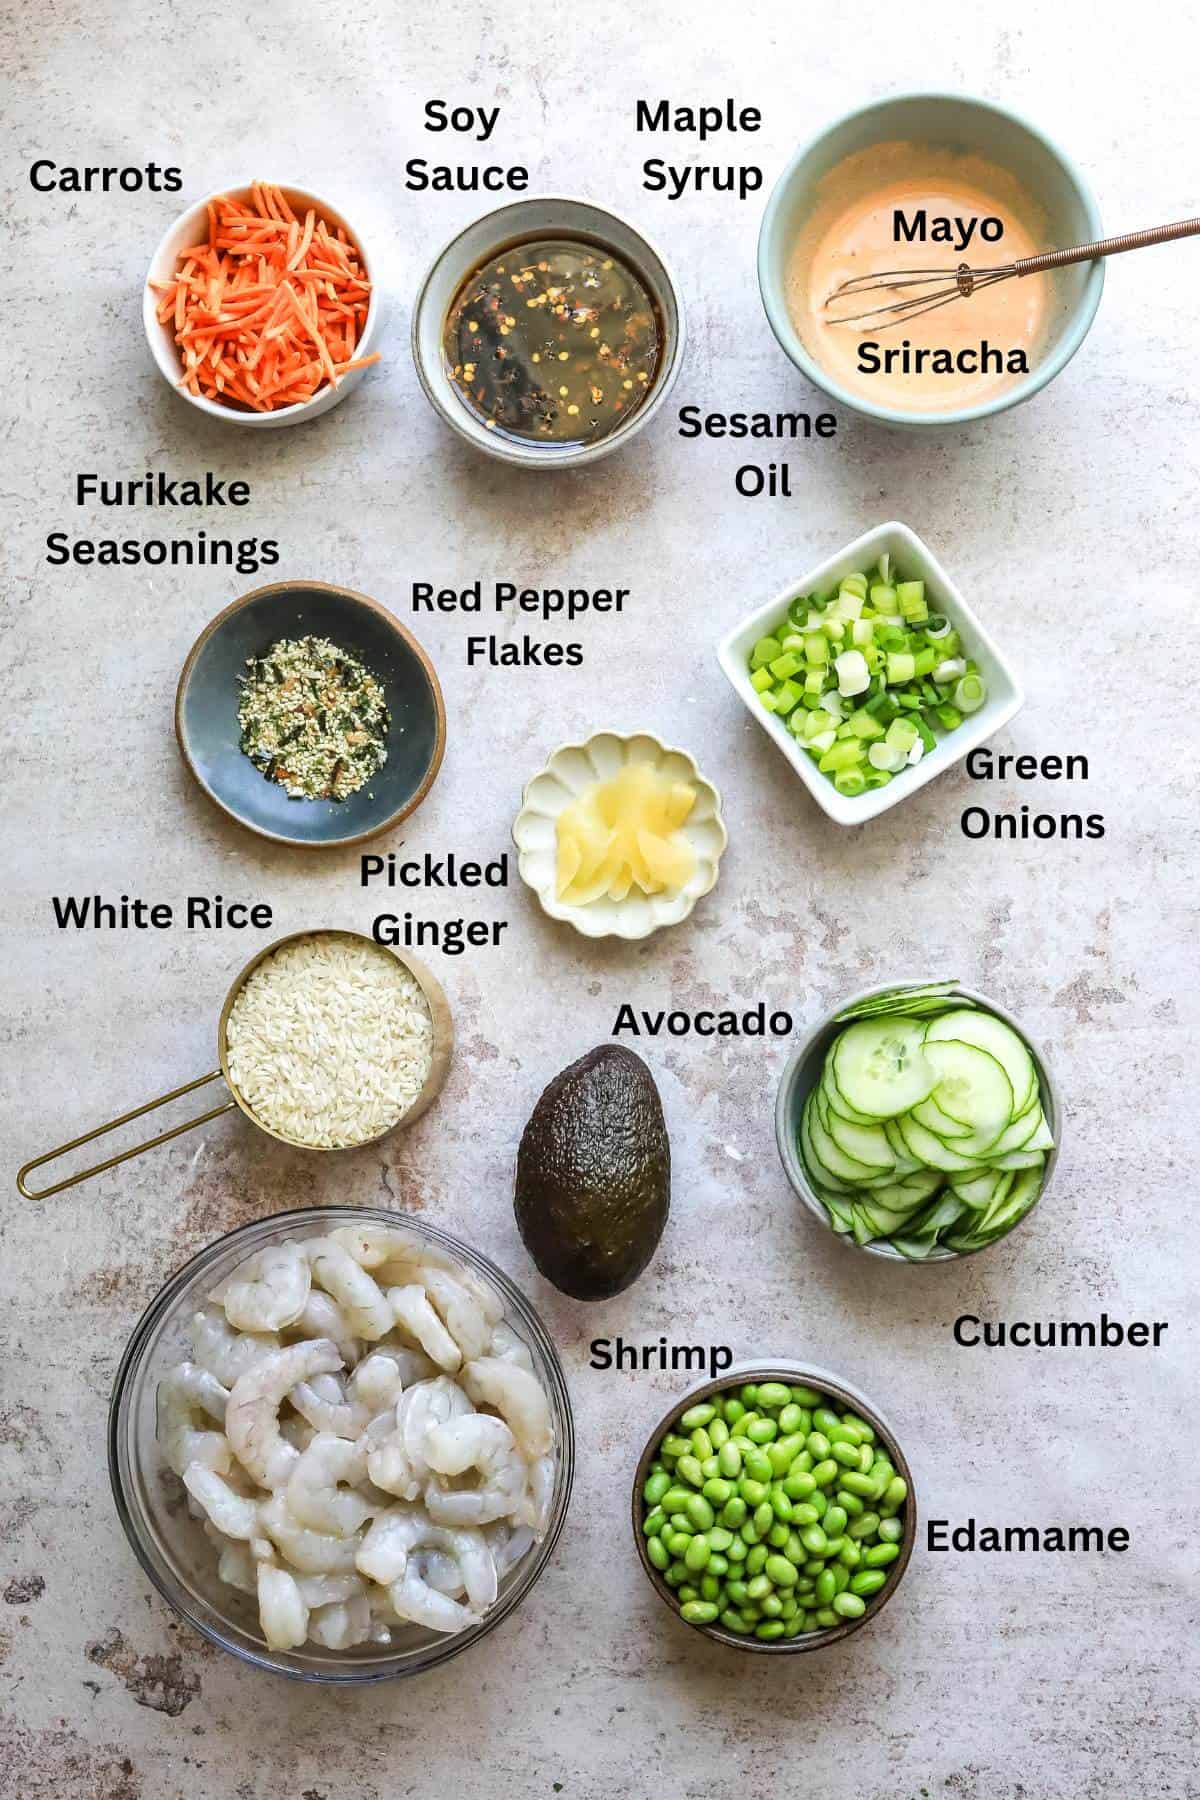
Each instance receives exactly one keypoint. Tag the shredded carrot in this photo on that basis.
(269, 310)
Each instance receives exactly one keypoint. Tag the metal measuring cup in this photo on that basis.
(443, 1044)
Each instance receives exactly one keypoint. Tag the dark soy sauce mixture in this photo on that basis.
(553, 341)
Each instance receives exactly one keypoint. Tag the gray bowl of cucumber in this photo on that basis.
(918, 1122)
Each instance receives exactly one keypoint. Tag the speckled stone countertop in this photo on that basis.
(1071, 523)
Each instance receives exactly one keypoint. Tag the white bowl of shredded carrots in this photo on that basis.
(260, 306)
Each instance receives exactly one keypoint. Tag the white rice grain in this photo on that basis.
(330, 1041)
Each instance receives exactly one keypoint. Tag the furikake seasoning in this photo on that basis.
(313, 719)
(553, 341)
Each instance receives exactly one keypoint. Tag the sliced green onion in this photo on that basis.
(888, 757)
(765, 651)
(850, 782)
(970, 694)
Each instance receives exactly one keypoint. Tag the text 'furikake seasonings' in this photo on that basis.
(553, 341)
(313, 719)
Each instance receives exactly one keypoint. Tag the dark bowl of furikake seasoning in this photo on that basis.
(773, 1509)
(310, 715)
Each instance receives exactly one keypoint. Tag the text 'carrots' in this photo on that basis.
(270, 309)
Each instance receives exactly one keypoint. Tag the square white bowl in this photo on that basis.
(915, 562)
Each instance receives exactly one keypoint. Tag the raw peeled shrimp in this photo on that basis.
(508, 1551)
(535, 1508)
(421, 1604)
(323, 1318)
(281, 1609)
(320, 1487)
(269, 1289)
(185, 1394)
(366, 1310)
(225, 1352)
(310, 1552)
(517, 1396)
(373, 1246)
(252, 1415)
(432, 1403)
(460, 1310)
(387, 1462)
(342, 1624)
(346, 1413)
(506, 1346)
(237, 1568)
(481, 1442)
(330, 1590)
(234, 1514)
(384, 1555)
(415, 1315)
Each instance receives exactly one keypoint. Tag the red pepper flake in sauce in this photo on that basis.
(554, 341)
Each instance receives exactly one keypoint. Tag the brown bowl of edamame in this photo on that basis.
(773, 1509)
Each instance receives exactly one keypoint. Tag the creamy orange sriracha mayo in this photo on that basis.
(912, 206)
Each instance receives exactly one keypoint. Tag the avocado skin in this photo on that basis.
(593, 1186)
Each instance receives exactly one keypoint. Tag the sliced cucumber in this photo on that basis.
(830, 1157)
(930, 1115)
(982, 1190)
(1043, 1137)
(913, 1001)
(838, 1101)
(931, 1151)
(879, 1065)
(863, 1143)
(1019, 1159)
(984, 1031)
(1021, 1197)
(1019, 1132)
(973, 1088)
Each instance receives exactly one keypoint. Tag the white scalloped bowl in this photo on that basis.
(573, 768)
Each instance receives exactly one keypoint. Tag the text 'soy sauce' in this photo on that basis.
(878, 210)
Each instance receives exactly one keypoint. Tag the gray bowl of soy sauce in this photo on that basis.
(210, 692)
(548, 333)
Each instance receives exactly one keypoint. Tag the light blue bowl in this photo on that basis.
(954, 122)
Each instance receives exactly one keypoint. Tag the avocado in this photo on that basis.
(593, 1182)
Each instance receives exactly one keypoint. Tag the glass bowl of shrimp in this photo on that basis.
(341, 1444)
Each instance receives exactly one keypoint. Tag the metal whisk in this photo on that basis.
(960, 283)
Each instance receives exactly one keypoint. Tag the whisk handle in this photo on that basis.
(1114, 246)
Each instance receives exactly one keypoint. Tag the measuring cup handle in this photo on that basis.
(114, 1125)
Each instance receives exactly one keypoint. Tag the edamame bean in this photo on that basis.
(698, 1612)
(760, 1587)
(879, 1555)
(891, 1530)
(865, 1526)
(794, 1550)
(819, 1501)
(770, 1629)
(850, 1503)
(896, 1492)
(753, 1492)
(710, 1587)
(719, 1538)
(778, 1536)
(865, 1459)
(734, 1621)
(783, 1453)
(806, 1396)
(817, 1445)
(866, 1432)
(846, 1454)
(772, 1606)
(867, 1581)
(697, 1554)
(756, 1559)
(826, 1617)
(865, 1486)
(655, 1488)
(823, 1418)
(653, 1522)
(841, 1577)
(762, 1431)
(677, 1541)
(737, 1592)
(688, 1592)
(779, 1570)
(749, 1393)
(658, 1553)
(732, 1409)
(814, 1540)
(701, 1444)
(674, 1575)
(729, 1461)
(718, 1564)
(836, 1546)
(825, 1587)
(700, 1514)
(698, 1415)
(717, 1492)
(850, 1554)
(675, 1499)
(689, 1470)
(710, 1468)
(738, 1550)
(734, 1512)
(718, 1432)
(757, 1465)
(834, 1522)
(773, 1394)
(798, 1485)
(825, 1473)
(750, 1533)
(789, 1606)
(672, 1446)
(764, 1518)
(849, 1606)
(781, 1505)
(805, 1514)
